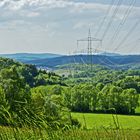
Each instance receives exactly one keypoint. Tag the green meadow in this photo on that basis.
(108, 121)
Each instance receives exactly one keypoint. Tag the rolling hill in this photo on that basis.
(110, 61)
(25, 57)
(52, 60)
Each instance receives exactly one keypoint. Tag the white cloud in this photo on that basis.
(2, 3)
(62, 19)
(19, 4)
(29, 14)
(33, 14)
(83, 14)
(14, 24)
(81, 25)
(14, 5)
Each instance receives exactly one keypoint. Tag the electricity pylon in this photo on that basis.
(89, 39)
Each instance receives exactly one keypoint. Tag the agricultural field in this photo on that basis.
(137, 110)
(108, 121)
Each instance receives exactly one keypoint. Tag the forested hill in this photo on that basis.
(33, 77)
(97, 59)
(24, 57)
(31, 97)
(53, 60)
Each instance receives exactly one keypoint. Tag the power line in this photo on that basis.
(105, 17)
(89, 39)
(111, 19)
(135, 45)
(119, 2)
(127, 35)
(126, 15)
(103, 62)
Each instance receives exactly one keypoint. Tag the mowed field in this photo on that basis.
(108, 121)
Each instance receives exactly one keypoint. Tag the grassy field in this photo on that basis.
(7, 133)
(137, 110)
(108, 121)
(94, 127)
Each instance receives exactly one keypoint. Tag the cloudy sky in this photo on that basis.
(54, 26)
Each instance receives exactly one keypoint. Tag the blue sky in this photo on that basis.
(53, 26)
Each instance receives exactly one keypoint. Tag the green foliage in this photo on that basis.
(48, 103)
(24, 102)
(109, 99)
(37, 98)
(102, 89)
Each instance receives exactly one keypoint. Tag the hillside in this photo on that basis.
(53, 60)
(24, 57)
(97, 59)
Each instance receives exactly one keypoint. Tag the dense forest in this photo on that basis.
(34, 97)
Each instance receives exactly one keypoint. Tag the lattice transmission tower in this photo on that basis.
(89, 40)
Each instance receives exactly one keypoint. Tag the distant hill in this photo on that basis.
(25, 57)
(97, 59)
(109, 54)
(52, 60)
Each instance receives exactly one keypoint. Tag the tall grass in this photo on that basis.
(35, 133)
(73, 134)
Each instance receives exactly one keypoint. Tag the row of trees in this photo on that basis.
(102, 98)
(103, 90)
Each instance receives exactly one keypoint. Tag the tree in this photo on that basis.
(5, 116)
(131, 99)
(16, 92)
(50, 106)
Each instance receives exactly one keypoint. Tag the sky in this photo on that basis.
(54, 26)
